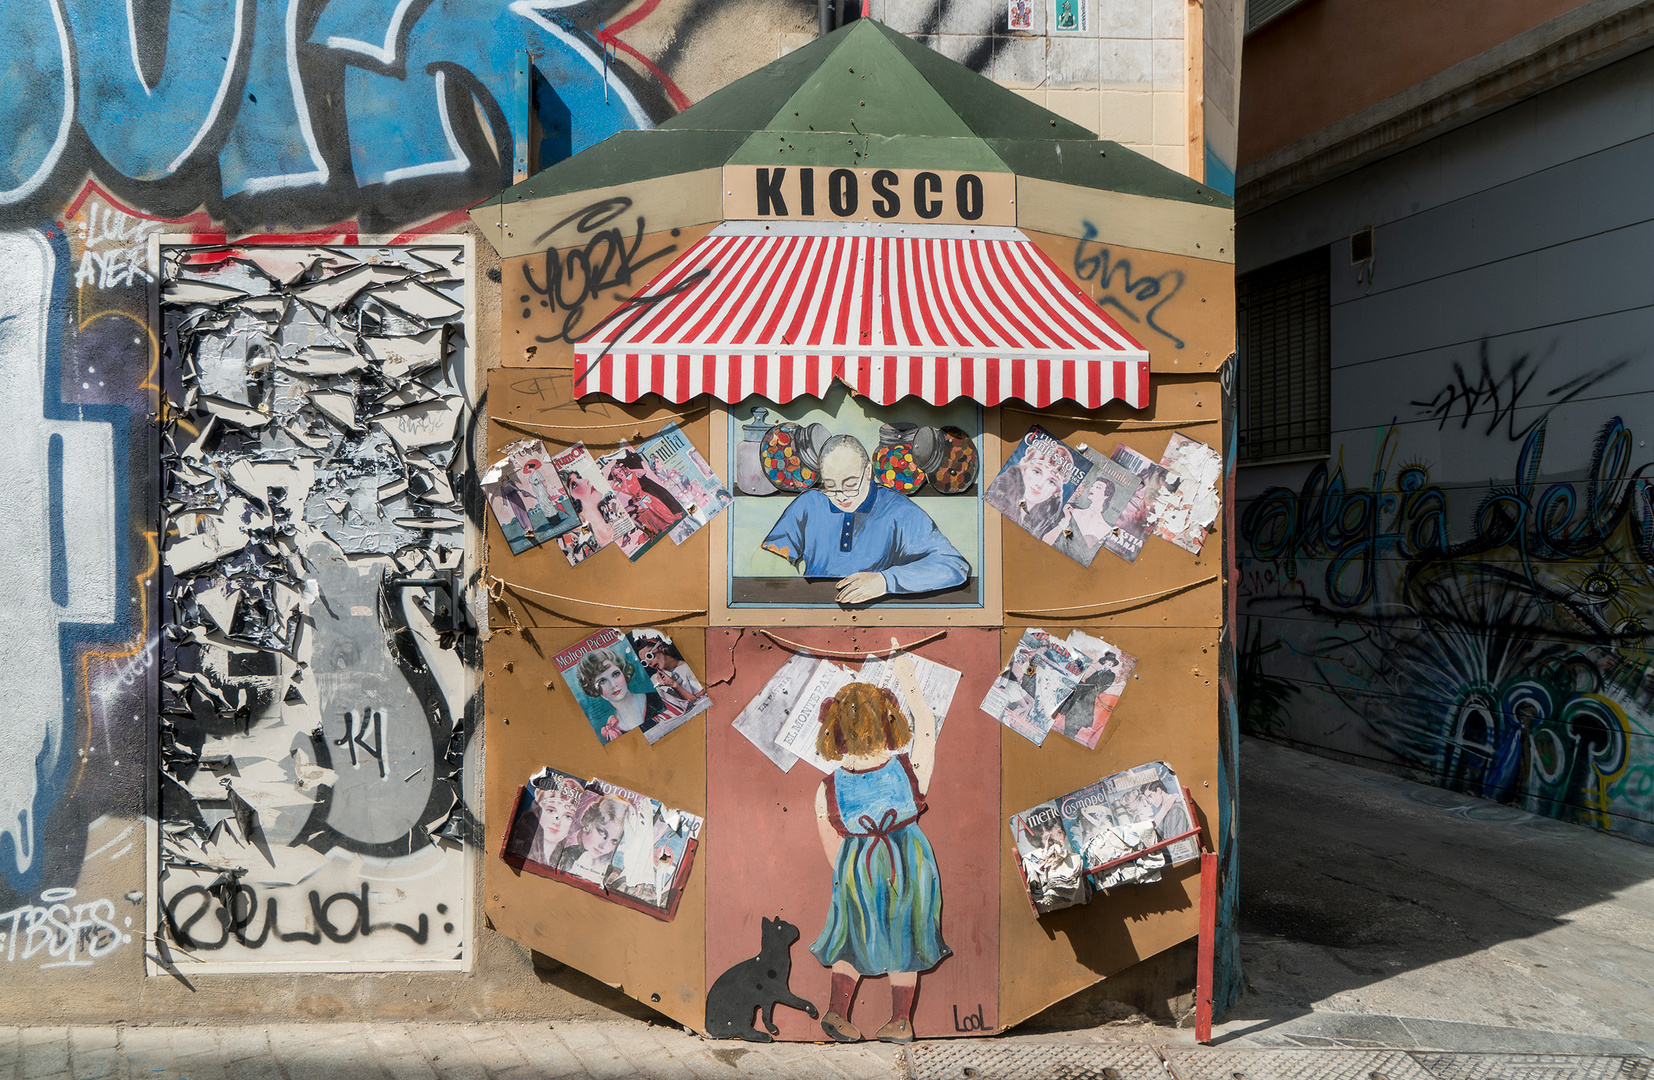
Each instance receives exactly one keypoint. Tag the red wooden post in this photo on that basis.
(1208, 937)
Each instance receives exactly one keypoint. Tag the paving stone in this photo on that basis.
(242, 1043)
(94, 1063)
(542, 1049)
(411, 1066)
(44, 1053)
(257, 1068)
(449, 1052)
(596, 1053)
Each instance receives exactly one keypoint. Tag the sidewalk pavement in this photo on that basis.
(612, 1051)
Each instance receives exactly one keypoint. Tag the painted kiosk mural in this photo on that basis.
(789, 734)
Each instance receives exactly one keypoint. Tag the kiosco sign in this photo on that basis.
(919, 196)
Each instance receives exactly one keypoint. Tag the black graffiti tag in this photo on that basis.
(571, 279)
(234, 906)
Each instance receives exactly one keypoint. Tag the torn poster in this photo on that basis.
(528, 500)
(803, 727)
(936, 683)
(1038, 480)
(680, 692)
(611, 685)
(1104, 841)
(760, 723)
(1130, 529)
(673, 459)
(1187, 503)
(1096, 508)
(603, 521)
(1040, 676)
(1153, 794)
(311, 732)
(1128, 812)
(603, 839)
(1052, 872)
(643, 497)
(1085, 713)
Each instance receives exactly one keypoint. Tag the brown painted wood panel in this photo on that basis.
(1043, 585)
(532, 721)
(549, 299)
(666, 586)
(1181, 309)
(1168, 713)
(766, 858)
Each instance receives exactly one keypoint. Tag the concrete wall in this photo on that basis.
(1463, 588)
(304, 122)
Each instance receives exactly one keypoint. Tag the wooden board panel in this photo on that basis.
(766, 857)
(554, 296)
(528, 726)
(1169, 225)
(1168, 713)
(666, 586)
(1181, 309)
(1043, 585)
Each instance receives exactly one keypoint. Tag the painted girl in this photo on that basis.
(886, 911)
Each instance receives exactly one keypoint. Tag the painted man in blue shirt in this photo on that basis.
(873, 539)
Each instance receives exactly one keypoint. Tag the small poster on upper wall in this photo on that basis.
(1187, 503)
(1071, 16)
(1132, 527)
(1099, 502)
(673, 459)
(1038, 480)
(527, 498)
(1020, 15)
(601, 518)
(642, 495)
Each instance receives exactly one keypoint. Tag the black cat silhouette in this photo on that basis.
(759, 983)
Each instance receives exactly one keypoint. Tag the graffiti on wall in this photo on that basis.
(288, 110)
(1512, 658)
(72, 374)
(313, 691)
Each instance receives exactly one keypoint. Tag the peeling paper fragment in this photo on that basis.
(199, 292)
(419, 300)
(334, 291)
(422, 425)
(231, 412)
(320, 360)
(337, 406)
(400, 357)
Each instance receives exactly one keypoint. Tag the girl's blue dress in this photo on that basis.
(886, 913)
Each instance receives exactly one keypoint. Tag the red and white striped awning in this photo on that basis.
(780, 310)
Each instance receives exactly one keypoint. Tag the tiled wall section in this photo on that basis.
(1122, 76)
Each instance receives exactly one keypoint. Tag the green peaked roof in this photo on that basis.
(866, 96)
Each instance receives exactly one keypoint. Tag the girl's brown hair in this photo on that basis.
(861, 719)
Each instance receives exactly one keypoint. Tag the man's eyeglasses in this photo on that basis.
(847, 487)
